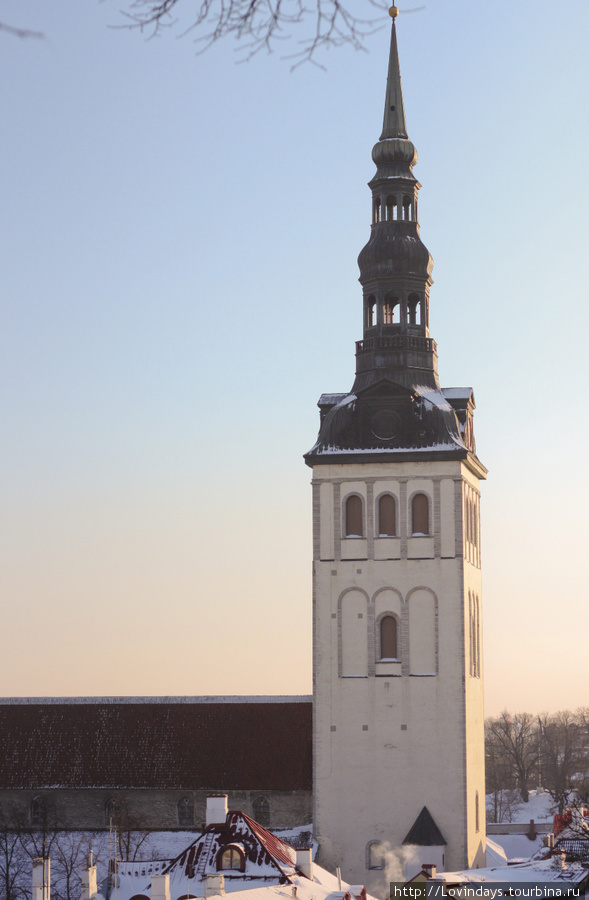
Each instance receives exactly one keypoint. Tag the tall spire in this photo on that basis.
(395, 265)
(393, 125)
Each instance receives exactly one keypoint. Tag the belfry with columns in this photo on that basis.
(398, 776)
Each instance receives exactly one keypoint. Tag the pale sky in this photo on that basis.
(179, 237)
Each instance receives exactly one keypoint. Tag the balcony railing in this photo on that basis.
(396, 342)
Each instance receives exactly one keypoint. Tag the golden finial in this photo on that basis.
(394, 12)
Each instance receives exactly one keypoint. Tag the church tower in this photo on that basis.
(398, 699)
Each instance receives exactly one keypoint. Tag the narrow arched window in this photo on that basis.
(388, 637)
(354, 525)
(407, 209)
(375, 855)
(262, 811)
(413, 309)
(37, 811)
(420, 515)
(391, 209)
(186, 811)
(390, 311)
(370, 312)
(230, 858)
(377, 210)
(110, 811)
(387, 516)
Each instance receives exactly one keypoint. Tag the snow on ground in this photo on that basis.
(540, 808)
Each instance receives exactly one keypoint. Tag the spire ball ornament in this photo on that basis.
(394, 12)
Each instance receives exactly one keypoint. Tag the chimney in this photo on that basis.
(41, 878)
(532, 831)
(559, 858)
(160, 887)
(305, 861)
(89, 885)
(216, 809)
(215, 884)
(549, 841)
(429, 870)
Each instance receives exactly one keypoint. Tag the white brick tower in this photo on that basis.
(398, 699)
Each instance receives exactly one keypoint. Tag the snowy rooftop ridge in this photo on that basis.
(237, 698)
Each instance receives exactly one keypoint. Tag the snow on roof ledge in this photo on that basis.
(57, 701)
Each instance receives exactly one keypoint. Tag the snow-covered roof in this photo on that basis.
(533, 870)
(269, 869)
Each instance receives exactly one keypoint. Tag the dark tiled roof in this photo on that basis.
(424, 832)
(220, 746)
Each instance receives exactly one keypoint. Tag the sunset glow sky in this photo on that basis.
(179, 237)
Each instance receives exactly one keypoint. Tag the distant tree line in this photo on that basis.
(525, 752)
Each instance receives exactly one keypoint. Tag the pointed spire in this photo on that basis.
(393, 125)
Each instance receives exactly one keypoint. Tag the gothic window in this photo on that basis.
(110, 810)
(262, 811)
(37, 811)
(375, 855)
(407, 209)
(186, 811)
(388, 638)
(413, 308)
(420, 515)
(230, 859)
(370, 312)
(377, 210)
(354, 525)
(390, 311)
(387, 516)
(391, 209)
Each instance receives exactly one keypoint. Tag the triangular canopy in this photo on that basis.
(424, 832)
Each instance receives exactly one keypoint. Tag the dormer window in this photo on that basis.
(230, 859)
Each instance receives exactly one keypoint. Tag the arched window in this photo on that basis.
(186, 811)
(110, 811)
(388, 637)
(412, 309)
(375, 855)
(262, 811)
(370, 312)
(391, 209)
(354, 526)
(387, 516)
(230, 859)
(377, 210)
(420, 515)
(37, 811)
(389, 316)
(407, 209)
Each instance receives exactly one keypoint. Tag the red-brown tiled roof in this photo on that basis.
(187, 745)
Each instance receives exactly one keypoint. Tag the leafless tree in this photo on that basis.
(261, 24)
(562, 755)
(15, 866)
(515, 741)
(133, 838)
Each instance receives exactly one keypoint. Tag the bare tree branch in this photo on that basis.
(22, 33)
(260, 24)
